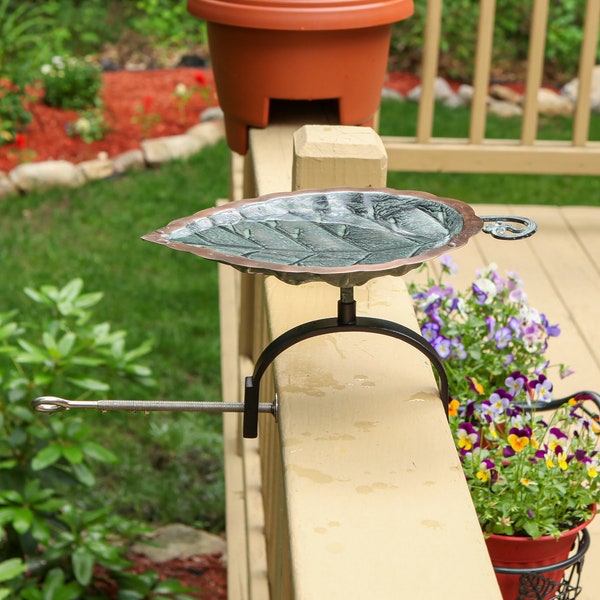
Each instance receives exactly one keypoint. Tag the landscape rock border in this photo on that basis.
(503, 101)
(27, 177)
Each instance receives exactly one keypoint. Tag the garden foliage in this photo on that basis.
(530, 472)
(71, 83)
(511, 37)
(49, 544)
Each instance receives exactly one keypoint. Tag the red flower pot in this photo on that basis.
(524, 552)
(265, 50)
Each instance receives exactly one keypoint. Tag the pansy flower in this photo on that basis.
(486, 470)
(442, 345)
(519, 438)
(562, 460)
(551, 330)
(475, 385)
(448, 264)
(508, 360)
(500, 401)
(466, 436)
(502, 337)
(458, 349)
(565, 371)
(430, 330)
(485, 411)
(556, 438)
(515, 383)
(453, 407)
(515, 325)
(484, 291)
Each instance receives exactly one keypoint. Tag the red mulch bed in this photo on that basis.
(124, 93)
(206, 575)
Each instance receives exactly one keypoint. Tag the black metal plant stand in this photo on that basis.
(341, 236)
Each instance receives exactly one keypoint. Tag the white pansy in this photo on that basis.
(488, 287)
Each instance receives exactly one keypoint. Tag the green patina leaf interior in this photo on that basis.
(333, 229)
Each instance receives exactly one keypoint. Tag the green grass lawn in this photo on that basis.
(400, 120)
(171, 465)
(93, 232)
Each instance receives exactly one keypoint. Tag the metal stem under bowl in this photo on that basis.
(341, 236)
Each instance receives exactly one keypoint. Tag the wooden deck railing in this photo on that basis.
(356, 491)
(579, 156)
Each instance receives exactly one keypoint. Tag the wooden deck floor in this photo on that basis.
(560, 266)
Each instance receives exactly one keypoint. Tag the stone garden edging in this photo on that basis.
(27, 177)
(502, 101)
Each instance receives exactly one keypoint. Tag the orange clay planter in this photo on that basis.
(264, 50)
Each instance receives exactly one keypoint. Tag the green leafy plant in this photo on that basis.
(91, 126)
(529, 474)
(21, 25)
(21, 28)
(82, 27)
(50, 545)
(511, 37)
(14, 117)
(71, 83)
(167, 20)
(182, 93)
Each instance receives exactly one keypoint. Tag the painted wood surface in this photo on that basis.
(338, 473)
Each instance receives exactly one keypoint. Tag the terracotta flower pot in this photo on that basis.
(524, 552)
(265, 50)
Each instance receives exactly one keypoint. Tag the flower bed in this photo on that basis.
(125, 94)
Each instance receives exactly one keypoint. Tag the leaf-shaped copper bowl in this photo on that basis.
(342, 236)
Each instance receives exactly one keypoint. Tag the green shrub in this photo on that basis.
(71, 83)
(81, 27)
(511, 38)
(49, 544)
(90, 126)
(21, 27)
(168, 21)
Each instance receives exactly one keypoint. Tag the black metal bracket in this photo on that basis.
(346, 321)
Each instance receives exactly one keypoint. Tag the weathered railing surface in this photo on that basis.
(579, 156)
(356, 491)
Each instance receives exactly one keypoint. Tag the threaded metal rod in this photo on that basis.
(50, 404)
